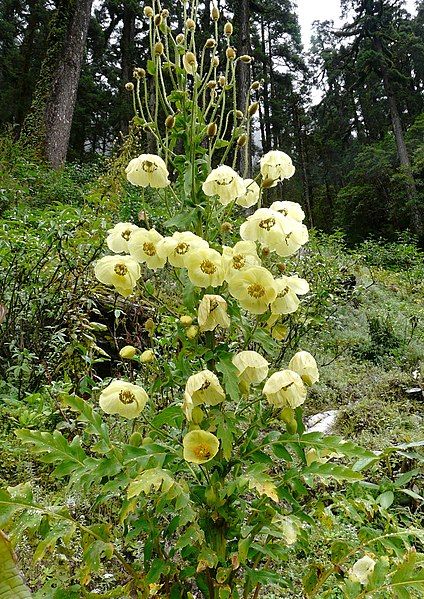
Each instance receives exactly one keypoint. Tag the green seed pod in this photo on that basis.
(253, 108)
(212, 129)
(136, 439)
(170, 121)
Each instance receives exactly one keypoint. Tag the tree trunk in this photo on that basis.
(127, 64)
(241, 19)
(303, 161)
(267, 140)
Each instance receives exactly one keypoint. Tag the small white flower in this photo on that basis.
(362, 570)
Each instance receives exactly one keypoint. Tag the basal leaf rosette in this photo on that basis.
(224, 183)
(123, 398)
(252, 367)
(118, 237)
(212, 312)
(200, 446)
(120, 272)
(143, 246)
(276, 166)
(254, 288)
(285, 388)
(179, 247)
(305, 365)
(148, 169)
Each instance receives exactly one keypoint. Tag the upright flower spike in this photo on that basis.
(123, 398)
(290, 209)
(212, 312)
(254, 288)
(143, 246)
(285, 389)
(276, 166)
(148, 169)
(251, 197)
(179, 247)
(205, 268)
(239, 257)
(252, 367)
(305, 365)
(118, 237)
(225, 183)
(200, 446)
(204, 388)
(120, 272)
(288, 288)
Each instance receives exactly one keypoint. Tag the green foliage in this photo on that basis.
(11, 584)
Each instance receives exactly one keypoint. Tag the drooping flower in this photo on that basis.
(204, 388)
(241, 256)
(305, 365)
(178, 247)
(143, 246)
(148, 169)
(225, 183)
(288, 288)
(212, 312)
(291, 209)
(205, 268)
(276, 166)
(362, 570)
(252, 367)
(123, 398)
(200, 446)
(120, 272)
(118, 237)
(127, 352)
(254, 288)
(285, 389)
(251, 197)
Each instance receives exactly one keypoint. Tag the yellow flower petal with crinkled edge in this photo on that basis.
(254, 288)
(200, 446)
(123, 398)
(225, 183)
(252, 367)
(291, 209)
(305, 365)
(148, 169)
(212, 312)
(239, 257)
(251, 197)
(204, 388)
(205, 268)
(118, 237)
(143, 246)
(177, 248)
(285, 389)
(288, 288)
(120, 272)
(277, 166)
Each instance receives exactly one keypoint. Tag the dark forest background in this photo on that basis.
(359, 150)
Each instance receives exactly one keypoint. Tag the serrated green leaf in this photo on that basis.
(229, 373)
(12, 585)
(151, 480)
(329, 469)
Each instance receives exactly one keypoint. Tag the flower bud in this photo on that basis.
(246, 58)
(215, 61)
(190, 24)
(265, 252)
(212, 129)
(192, 331)
(230, 53)
(239, 114)
(180, 38)
(214, 13)
(228, 29)
(190, 63)
(128, 352)
(149, 326)
(242, 140)
(158, 48)
(226, 227)
(186, 320)
(170, 121)
(148, 12)
(165, 13)
(136, 439)
(222, 80)
(253, 108)
(281, 266)
(266, 183)
(158, 20)
(210, 43)
(129, 86)
(255, 85)
(147, 356)
(139, 73)
(211, 84)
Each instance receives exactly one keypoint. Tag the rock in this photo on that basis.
(322, 423)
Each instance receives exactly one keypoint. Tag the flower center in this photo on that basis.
(121, 270)
(267, 224)
(225, 181)
(284, 212)
(213, 305)
(287, 237)
(149, 167)
(202, 451)
(126, 397)
(149, 248)
(284, 292)
(126, 234)
(256, 290)
(182, 248)
(208, 267)
(238, 261)
(205, 386)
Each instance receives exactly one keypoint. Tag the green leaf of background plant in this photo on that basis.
(12, 585)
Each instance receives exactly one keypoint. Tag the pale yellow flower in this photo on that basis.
(212, 312)
(190, 63)
(120, 272)
(295, 235)
(123, 398)
(205, 268)
(251, 197)
(252, 367)
(305, 365)
(225, 183)
(200, 446)
(265, 226)
(118, 237)
(178, 247)
(204, 388)
(148, 169)
(127, 352)
(241, 256)
(288, 288)
(143, 246)
(276, 165)
(254, 288)
(362, 570)
(291, 209)
(188, 406)
(285, 389)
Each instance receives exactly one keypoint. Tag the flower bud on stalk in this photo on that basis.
(265, 252)
(127, 352)
(129, 86)
(212, 84)
(239, 114)
(221, 81)
(192, 331)
(186, 320)
(255, 85)
(158, 48)
(242, 140)
(212, 129)
(139, 73)
(190, 24)
(180, 38)
(215, 61)
(226, 227)
(147, 356)
(253, 108)
(228, 29)
(170, 121)
(246, 58)
(149, 326)
(158, 20)
(148, 12)
(165, 13)
(214, 13)
(230, 53)
(210, 43)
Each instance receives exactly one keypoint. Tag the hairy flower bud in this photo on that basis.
(246, 58)
(255, 85)
(170, 121)
(128, 352)
(215, 61)
(190, 24)
(210, 43)
(253, 108)
(228, 29)
(139, 73)
(265, 252)
(129, 86)
(230, 53)
(222, 80)
(165, 13)
(212, 84)
(242, 140)
(148, 12)
(158, 48)
(215, 13)
(186, 320)
(226, 227)
(147, 356)
(192, 331)
(212, 129)
(281, 266)
(158, 20)
(190, 63)
(239, 114)
(149, 326)
(180, 38)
